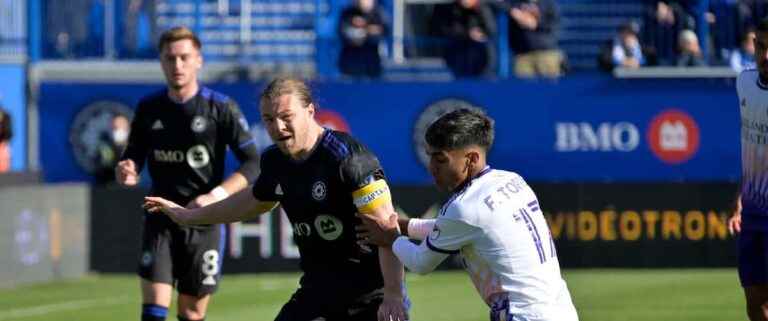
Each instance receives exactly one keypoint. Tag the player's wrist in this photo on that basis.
(219, 193)
(393, 292)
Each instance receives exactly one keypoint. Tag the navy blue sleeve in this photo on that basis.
(239, 139)
(137, 147)
(266, 187)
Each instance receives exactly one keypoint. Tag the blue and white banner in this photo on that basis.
(582, 128)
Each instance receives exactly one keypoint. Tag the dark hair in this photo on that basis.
(762, 26)
(459, 129)
(286, 86)
(176, 34)
(6, 130)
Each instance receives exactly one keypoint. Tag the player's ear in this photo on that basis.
(473, 157)
(311, 109)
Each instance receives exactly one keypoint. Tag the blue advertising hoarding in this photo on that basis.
(581, 128)
(13, 99)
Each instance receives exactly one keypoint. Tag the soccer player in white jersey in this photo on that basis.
(492, 218)
(751, 215)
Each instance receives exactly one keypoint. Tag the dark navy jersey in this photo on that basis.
(316, 194)
(184, 145)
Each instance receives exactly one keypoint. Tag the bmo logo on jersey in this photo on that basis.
(196, 157)
(673, 136)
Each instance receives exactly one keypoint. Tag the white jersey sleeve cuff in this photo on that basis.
(419, 228)
(417, 258)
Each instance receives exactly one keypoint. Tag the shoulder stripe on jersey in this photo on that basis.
(216, 96)
(249, 142)
(335, 145)
(439, 250)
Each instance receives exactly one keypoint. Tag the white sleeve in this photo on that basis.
(419, 228)
(417, 258)
(449, 235)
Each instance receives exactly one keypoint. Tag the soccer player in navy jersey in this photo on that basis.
(321, 178)
(182, 133)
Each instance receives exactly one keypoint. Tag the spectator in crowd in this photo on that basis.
(111, 147)
(66, 29)
(690, 54)
(533, 38)
(624, 49)
(6, 133)
(467, 25)
(744, 57)
(139, 29)
(667, 19)
(361, 28)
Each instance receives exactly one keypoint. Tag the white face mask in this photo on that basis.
(120, 136)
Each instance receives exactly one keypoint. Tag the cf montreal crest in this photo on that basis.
(428, 116)
(89, 128)
(318, 191)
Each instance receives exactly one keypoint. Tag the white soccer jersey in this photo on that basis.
(498, 227)
(753, 102)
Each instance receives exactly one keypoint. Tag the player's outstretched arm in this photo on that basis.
(385, 232)
(238, 207)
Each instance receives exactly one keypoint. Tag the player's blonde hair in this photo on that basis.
(176, 34)
(287, 86)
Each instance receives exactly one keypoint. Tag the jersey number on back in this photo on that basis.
(535, 233)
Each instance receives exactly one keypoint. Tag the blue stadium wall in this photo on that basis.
(631, 173)
(594, 129)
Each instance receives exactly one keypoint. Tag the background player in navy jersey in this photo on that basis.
(321, 178)
(751, 215)
(182, 133)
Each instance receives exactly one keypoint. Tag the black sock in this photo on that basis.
(153, 312)
(185, 319)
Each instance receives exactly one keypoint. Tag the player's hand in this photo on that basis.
(202, 200)
(174, 211)
(734, 223)
(377, 230)
(392, 308)
(125, 173)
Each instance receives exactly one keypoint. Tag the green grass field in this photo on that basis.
(599, 295)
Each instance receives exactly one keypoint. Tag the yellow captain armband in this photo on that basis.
(371, 196)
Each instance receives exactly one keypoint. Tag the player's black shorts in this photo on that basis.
(188, 257)
(323, 303)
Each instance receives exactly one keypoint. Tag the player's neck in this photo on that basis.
(183, 94)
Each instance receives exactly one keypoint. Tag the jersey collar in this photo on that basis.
(460, 189)
(760, 83)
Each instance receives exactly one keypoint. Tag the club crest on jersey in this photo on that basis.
(435, 233)
(199, 124)
(318, 191)
(197, 156)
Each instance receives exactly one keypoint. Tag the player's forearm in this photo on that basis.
(235, 183)
(240, 206)
(417, 258)
(419, 228)
(392, 271)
